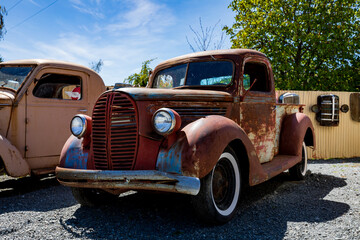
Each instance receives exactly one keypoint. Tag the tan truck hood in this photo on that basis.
(142, 94)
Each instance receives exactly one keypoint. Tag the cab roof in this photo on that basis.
(239, 51)
(47, 62)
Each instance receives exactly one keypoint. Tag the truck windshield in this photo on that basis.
(212, 73)
(12, 77)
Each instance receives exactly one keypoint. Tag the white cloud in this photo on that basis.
(139, 32)
(35, 3)
(145, 16)
(92, 7)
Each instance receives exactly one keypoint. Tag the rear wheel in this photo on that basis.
(219, 194)
(90, 197)
(298, 172)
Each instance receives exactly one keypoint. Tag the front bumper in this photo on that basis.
(128, 180)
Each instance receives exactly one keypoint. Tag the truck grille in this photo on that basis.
(329, 110)
(114, 132)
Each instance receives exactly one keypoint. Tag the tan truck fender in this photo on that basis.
(15, 164)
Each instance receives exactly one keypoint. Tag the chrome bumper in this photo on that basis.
(128, 180)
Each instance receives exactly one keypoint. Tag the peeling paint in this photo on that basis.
(170, 160)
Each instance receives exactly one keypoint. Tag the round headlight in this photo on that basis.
(164, 121)
(78, 126)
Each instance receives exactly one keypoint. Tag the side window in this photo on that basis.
(58, 86)
(210, 73)
(256, 75)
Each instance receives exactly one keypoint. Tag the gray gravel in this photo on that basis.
(324, 206)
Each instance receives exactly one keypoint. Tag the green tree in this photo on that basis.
(2, 30)
(140, 79)
(313, 44)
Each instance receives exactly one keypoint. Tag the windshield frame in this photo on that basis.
(32, 66)
(153, 83)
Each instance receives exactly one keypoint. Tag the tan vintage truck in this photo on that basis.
(38, 98)
(207, 124)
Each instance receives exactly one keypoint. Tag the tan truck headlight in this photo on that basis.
(165, 121)
(78, 125)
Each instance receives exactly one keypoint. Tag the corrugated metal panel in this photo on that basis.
(342, 141)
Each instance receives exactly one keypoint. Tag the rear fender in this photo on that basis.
(295, 129)
(73, 155)
(15, 164)
(200, 144)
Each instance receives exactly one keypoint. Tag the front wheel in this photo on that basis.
(220, 190)
(298, 172)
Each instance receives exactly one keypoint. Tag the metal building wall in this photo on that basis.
(342, 141)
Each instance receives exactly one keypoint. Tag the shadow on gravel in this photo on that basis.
(17, 186)
(334, 161)
(29, 194)
(265, 211)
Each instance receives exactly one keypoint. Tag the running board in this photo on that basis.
(279, 164)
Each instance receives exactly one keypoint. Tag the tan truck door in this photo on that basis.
(52, 100)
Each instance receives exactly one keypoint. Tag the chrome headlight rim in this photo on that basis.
(84, 125)
(173, 121)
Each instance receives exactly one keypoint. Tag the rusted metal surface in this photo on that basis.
(201, 144)
(130, 180)
(293, 133)
(258, 121)
(279, 164)
(38, 127)
(212, 117)
(282, 110)
(355, 106)
(115, 132)
(186, 95)
(73, 154)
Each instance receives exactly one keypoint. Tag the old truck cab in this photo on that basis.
(207, 124)
(38, 98)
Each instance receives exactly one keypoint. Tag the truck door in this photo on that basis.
(52, 100)
(257, 110)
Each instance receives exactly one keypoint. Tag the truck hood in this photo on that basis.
(142, 94)
(6, 97)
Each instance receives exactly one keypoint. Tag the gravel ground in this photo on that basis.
(324, 206)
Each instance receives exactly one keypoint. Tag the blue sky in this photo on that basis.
(123, 33)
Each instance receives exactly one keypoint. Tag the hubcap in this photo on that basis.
(225, 185)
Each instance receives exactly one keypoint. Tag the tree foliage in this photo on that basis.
(203, 39)
(140, 79)
(313, 44)
(2, 25)
(96, 66)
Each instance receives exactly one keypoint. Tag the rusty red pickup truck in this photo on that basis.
(206, 125)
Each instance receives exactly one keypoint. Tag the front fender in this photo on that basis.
(295, 129)
(73, 155)
(200, 144)
(15, 164)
